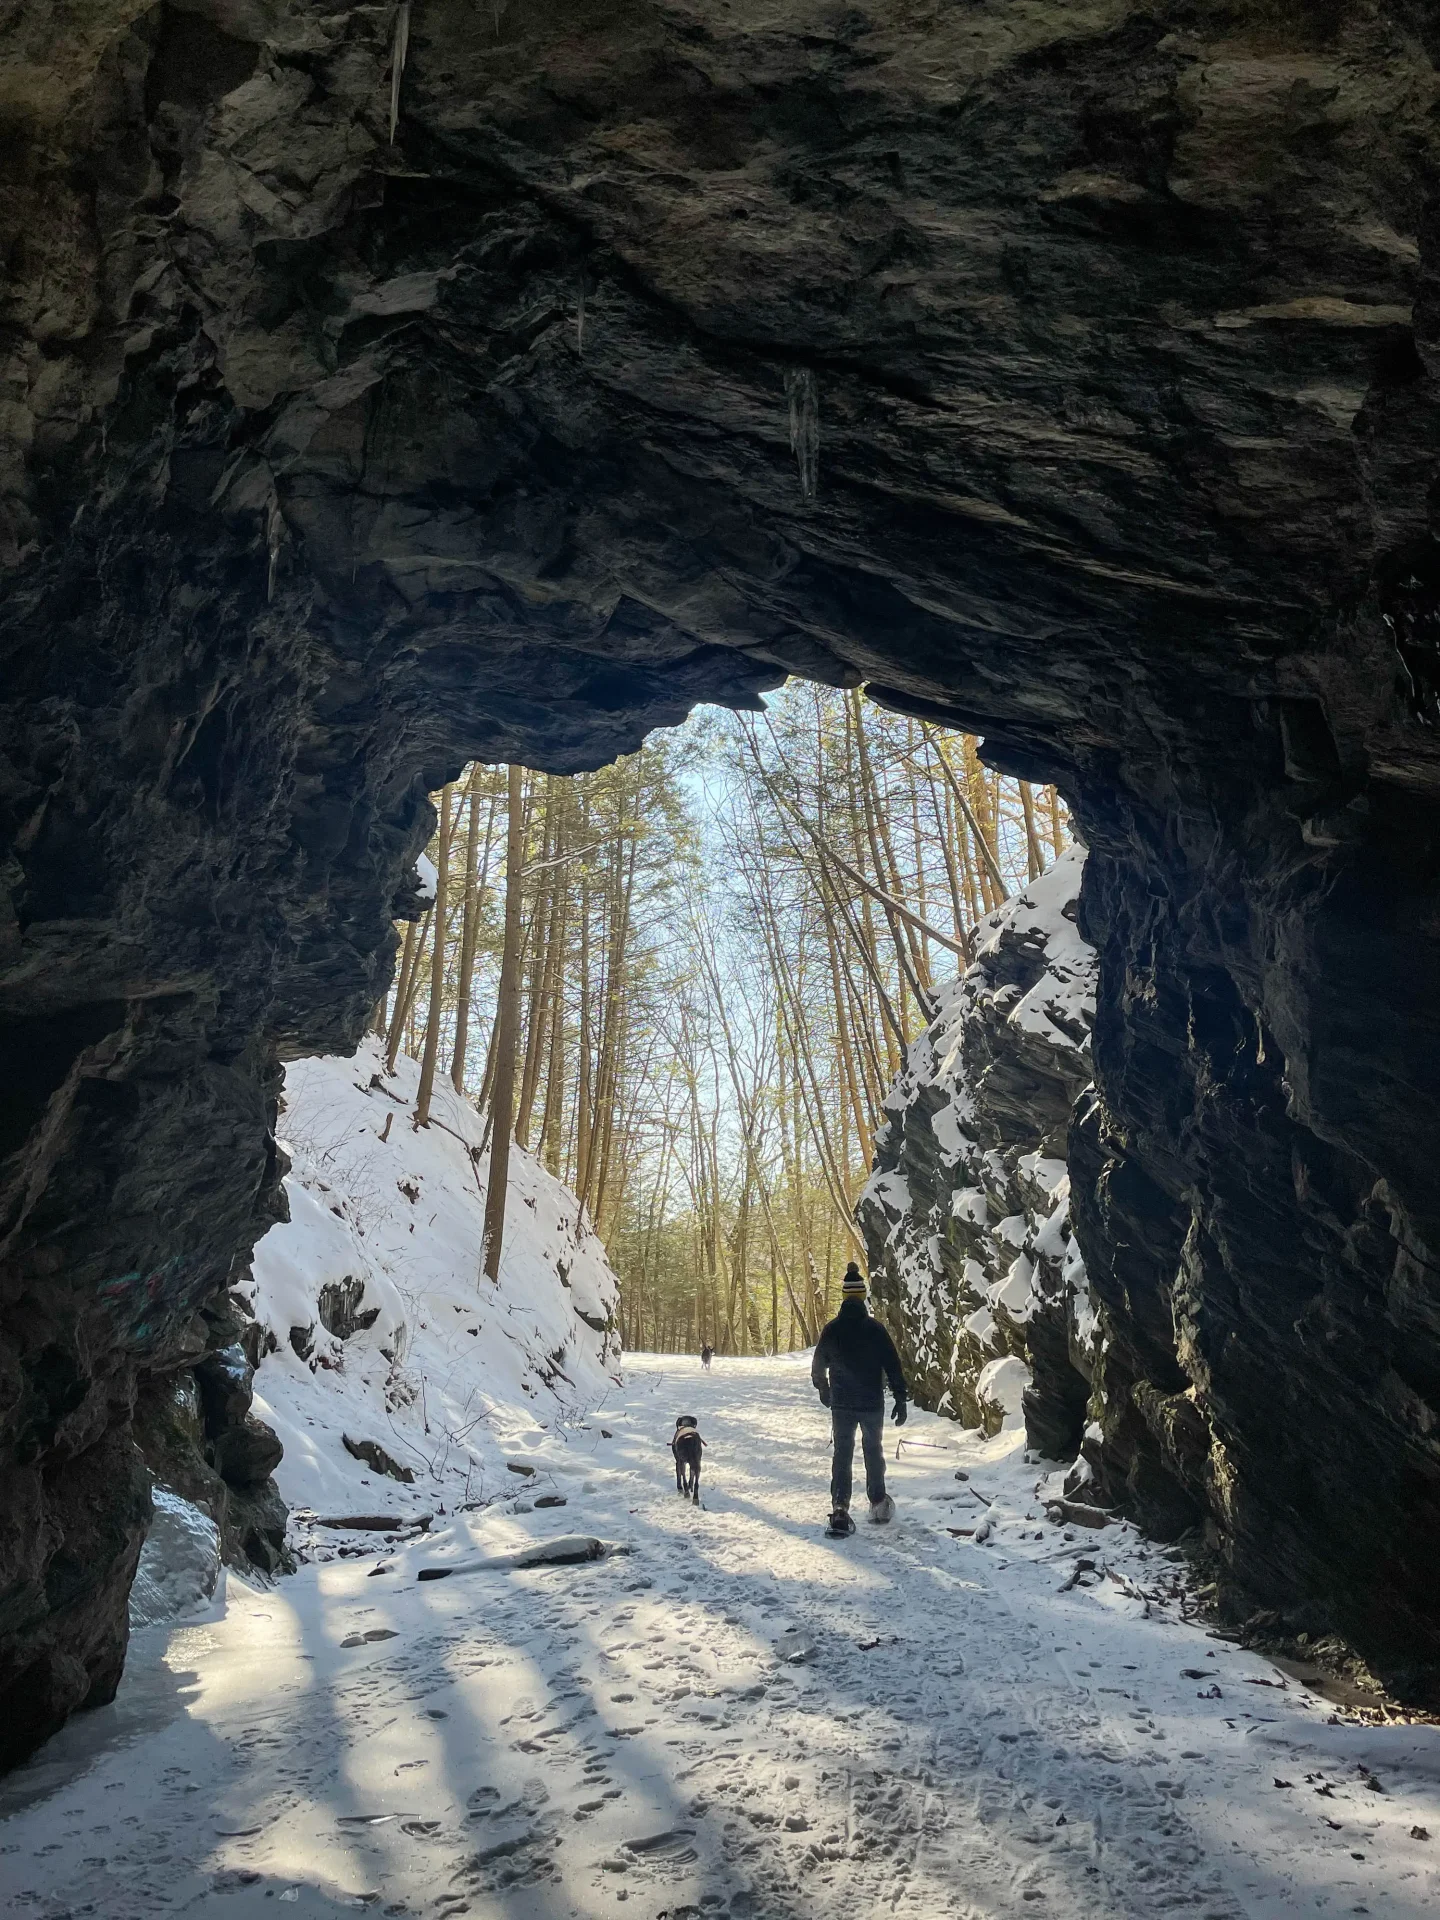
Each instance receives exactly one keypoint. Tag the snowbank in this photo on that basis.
(374, 1323)
(966, 1215)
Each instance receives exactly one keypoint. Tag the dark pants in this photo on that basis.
(843, 1422)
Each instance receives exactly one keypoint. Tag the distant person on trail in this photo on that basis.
(707, 1354)
(854, 1357)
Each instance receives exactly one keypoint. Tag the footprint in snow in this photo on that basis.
(672, 1846)
(524, 1861)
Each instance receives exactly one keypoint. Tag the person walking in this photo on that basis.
(707, 1354)
(854, 1357)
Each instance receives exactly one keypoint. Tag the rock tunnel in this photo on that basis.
(397, 386)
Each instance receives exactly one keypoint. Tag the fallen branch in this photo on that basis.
(376, 1522)
(570, 1550)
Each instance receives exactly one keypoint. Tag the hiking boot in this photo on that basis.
(882, 1510)
(841, 1525)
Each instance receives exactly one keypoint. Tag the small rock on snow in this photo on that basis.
(377, 1459)
(569, 1550)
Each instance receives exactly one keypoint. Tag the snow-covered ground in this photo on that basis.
(737, 1716)
(454, 1376)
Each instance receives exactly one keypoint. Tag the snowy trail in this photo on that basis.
(739, 1717)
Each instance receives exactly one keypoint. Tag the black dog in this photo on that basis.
(686, 1448)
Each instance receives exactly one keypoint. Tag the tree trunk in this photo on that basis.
(1034, 853)
(436, 1009)
(402, 987)
(542, 962)
(470, 926)
(583, 1114)
(502, 1104)
(555, 1060)
(405, 1000)
(615, 1016)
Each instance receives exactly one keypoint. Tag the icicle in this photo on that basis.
(397, 63)
(274, 540)
(803, 393)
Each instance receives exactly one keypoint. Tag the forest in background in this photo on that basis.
(689, 978)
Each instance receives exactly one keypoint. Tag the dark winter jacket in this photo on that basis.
(854, 1357)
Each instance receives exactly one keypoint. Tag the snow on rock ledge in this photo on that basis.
(966, 1215)
(373, 1323)
(1000, 1392)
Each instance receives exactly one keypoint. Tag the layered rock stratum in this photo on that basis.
(391, 386)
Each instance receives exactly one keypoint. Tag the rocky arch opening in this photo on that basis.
(470, 439)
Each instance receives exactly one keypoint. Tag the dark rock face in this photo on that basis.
(1264, 1242)
(1066, 372)
(340, 1310)
(71, 1534)
(198, 1436)
(377, 1459)
(966, 1215)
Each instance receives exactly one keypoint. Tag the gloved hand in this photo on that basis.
(824, 1393)
(901, 1413)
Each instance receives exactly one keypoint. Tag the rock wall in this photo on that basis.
(199, 1436)
(1066, 373)
(966, 1216)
